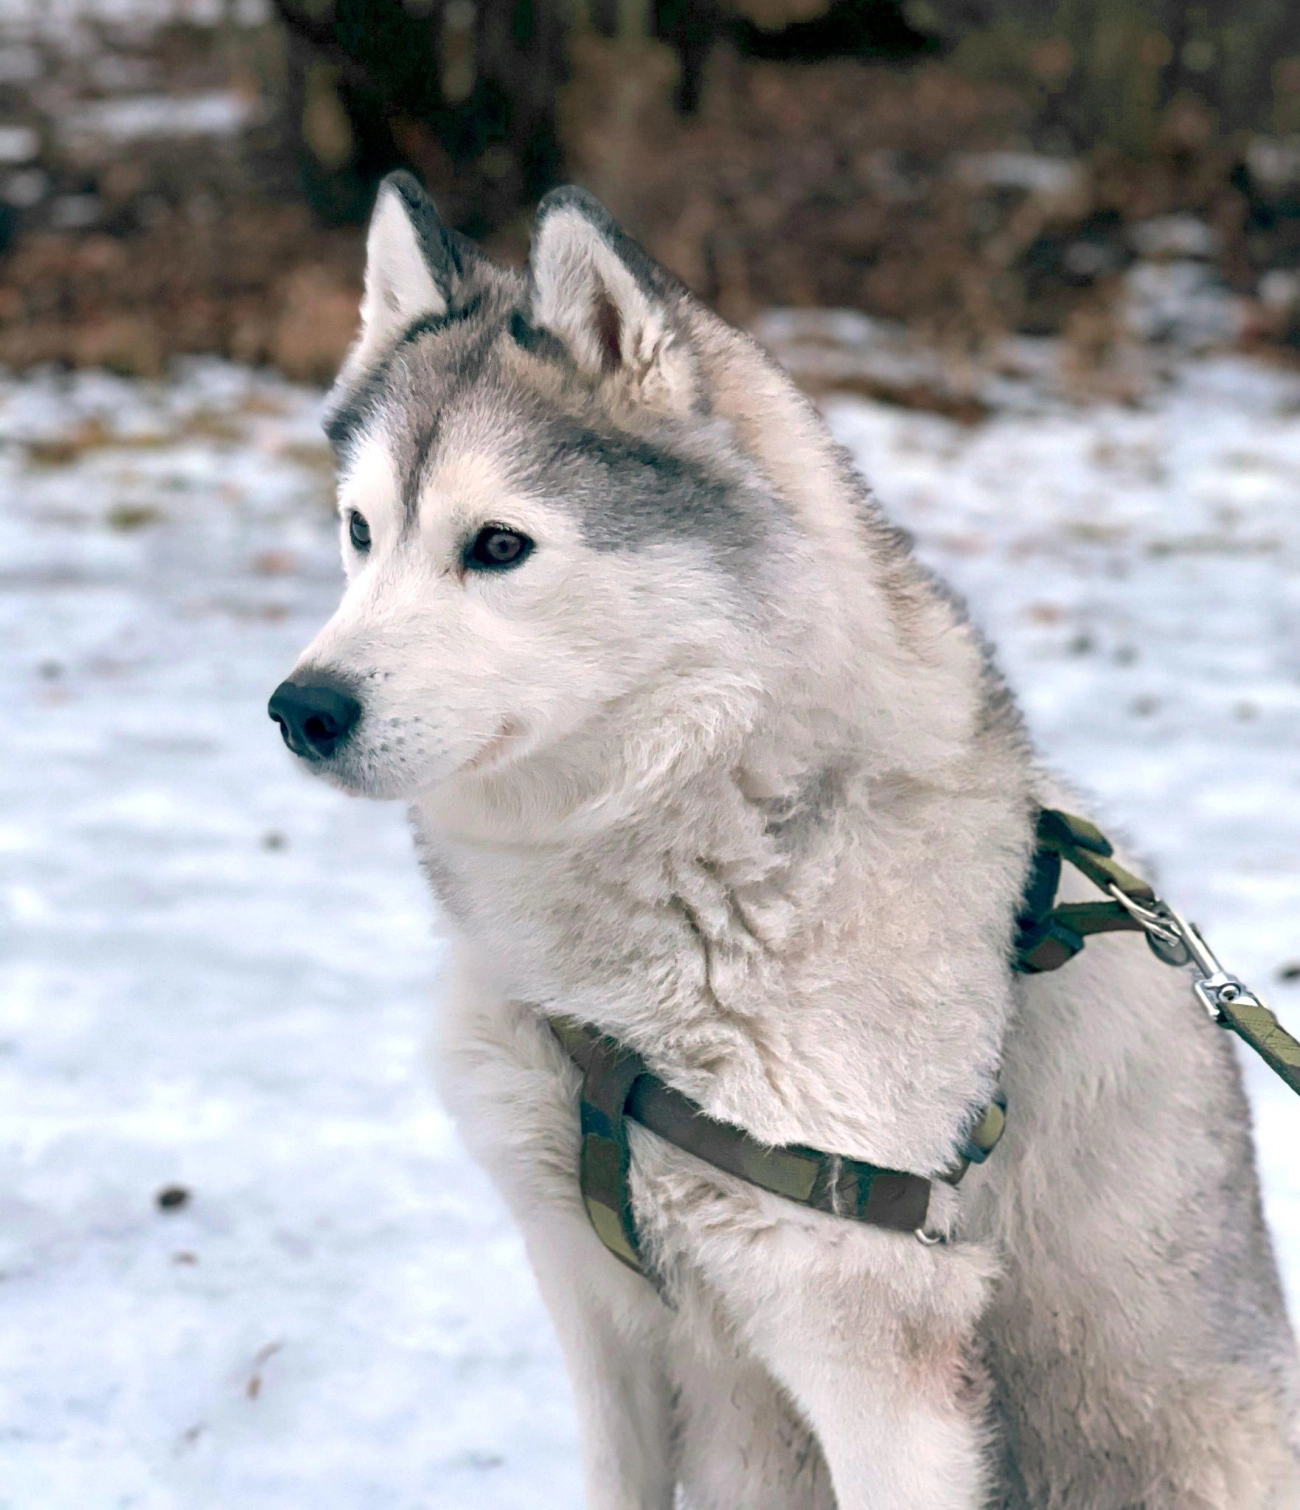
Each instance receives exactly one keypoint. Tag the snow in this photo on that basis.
(73, 24)
(18, 144)
(217, 974)
(216, 112)
(1031, 172)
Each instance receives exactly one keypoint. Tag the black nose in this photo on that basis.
(314, 717)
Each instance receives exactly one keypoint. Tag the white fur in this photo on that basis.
(772, 836)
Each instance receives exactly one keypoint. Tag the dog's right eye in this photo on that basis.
(358, 533)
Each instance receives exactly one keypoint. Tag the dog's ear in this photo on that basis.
(612, 307)
(414, 263)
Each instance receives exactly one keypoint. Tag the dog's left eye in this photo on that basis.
(358, 533)
(494, 548)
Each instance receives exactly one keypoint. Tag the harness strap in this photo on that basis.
(1049, 935)
(605, 1161)
(617, 1085)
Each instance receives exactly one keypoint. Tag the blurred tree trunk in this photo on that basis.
(462, 91)
(470, 93)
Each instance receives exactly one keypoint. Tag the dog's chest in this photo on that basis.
(615, 929)
(794, 1005)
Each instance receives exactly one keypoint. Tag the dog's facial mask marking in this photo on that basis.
(531, 522)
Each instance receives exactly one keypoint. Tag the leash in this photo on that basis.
(617, 1085)
(1050, 935)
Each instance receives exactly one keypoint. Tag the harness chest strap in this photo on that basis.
(617, 1085)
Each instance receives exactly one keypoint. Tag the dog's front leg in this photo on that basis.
(610, 1324)
(871, 1334)
(512, 1092)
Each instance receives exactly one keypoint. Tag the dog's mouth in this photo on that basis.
(326, 727)
(364, 772)
(498, 749)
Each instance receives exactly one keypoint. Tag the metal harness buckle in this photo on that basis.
(1178, 942)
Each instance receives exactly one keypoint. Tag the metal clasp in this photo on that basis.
(1178, 942)
(1159, 924)
(1215, 987)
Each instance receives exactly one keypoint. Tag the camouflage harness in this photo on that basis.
(616, 1085)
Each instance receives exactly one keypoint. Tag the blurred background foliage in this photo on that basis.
(1107, 72)
(193, 175)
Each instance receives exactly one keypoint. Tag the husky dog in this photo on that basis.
(696, 753)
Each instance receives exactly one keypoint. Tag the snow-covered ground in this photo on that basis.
(217, 974)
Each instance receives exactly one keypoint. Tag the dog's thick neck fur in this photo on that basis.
(719, 898)
(718, 862)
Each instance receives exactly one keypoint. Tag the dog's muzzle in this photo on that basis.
(315, 718)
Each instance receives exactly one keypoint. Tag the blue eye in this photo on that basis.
(495, 548)
(358, 533)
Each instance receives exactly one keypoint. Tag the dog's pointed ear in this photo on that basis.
(612, 307)
(413, 264)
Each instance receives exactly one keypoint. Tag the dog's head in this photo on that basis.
(590, 533)
(542, 514)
